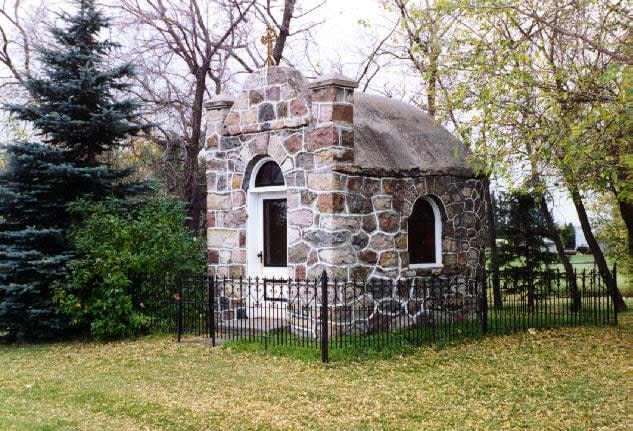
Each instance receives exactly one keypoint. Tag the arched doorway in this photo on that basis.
(267, 243)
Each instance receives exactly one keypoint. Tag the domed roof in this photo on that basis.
(390, 137)
(393, 136)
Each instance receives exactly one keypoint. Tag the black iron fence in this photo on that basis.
(530, 299)
(329, 314)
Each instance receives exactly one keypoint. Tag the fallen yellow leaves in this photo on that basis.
(578, 378)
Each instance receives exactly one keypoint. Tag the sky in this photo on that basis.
(346, 31)
(342, 36)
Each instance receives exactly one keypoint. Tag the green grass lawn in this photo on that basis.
(571, 378)
(586, 262)
(582, 262)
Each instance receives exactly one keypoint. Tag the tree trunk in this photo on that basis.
(601, 262)
(624, 177)
(492, 238)
(91, 158)
(531, 292)
(191, 186)
(626, 211)
(431, 89)
(20, 335)
(284, 30)
(560, 249)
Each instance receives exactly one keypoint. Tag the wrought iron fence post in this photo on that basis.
(324, 318)
(484, 301)
(211, 286)
(613, 289)
(179, 312)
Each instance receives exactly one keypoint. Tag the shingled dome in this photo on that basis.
(390, 135)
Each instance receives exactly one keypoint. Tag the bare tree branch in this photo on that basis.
(203, 35)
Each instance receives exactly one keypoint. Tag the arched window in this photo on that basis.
(425, 234)
(269, 174)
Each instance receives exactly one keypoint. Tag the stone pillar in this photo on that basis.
(217, 110)
(333, 110)
(331, 141)
(222, 242)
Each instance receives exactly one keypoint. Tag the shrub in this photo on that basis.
(36, 187)
(121, 251)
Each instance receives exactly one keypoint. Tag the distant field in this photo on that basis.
(582, 258)
(586, 262)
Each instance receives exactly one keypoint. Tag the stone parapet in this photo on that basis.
(333, 110)
(272, 98)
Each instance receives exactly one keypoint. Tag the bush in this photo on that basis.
(120, 252)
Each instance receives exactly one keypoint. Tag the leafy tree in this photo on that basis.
(122, 251)
(545, 104)
(568, 235)
(611, 232)
(34, 188)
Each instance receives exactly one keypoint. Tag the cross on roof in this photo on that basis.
(269, 39)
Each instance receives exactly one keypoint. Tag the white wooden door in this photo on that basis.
(267, 236)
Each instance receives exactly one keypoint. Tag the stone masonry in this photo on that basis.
(342, 218)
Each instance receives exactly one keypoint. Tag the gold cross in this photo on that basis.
(268, 39)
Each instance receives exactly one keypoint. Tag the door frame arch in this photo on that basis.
(255, 222)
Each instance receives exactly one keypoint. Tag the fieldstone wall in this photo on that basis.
(307, 131)
(343, 219)
(374, 224)
(384, 307)
(354, 308)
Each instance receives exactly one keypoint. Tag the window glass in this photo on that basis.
(422, 233)
(269, 174)
(275, 232)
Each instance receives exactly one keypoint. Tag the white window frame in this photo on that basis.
(254, 228)
(438, 237)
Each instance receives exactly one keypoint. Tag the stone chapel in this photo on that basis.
(312, 175)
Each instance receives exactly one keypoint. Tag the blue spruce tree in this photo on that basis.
(34, 189)
(75, 109)
(74, 103)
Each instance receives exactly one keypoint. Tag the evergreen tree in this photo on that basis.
(76, 110)
(74, 104)
(35, 188)
(520, 223)
(568, 235)
(523, 227)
